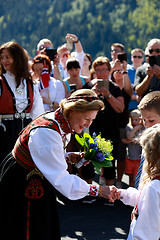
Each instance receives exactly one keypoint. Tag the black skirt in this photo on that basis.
(9, 132)
(19, 212)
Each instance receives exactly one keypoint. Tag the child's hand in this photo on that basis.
(118, 194)
(139, 127)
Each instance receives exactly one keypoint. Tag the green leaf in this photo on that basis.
(86, 135)
(109, 157)
(97, 167)
(89, 155)
(107, 164)
(80, 140)
(104, 163)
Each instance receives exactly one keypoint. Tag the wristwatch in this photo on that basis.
(110, 95)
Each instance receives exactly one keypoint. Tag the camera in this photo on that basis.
(122, 57)
(72, 87)
(51, 53)
(154, 60)
(102, 83)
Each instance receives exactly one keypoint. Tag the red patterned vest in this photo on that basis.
(7, 97)
(21, 151)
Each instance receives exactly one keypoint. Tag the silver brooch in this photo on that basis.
(19, 91)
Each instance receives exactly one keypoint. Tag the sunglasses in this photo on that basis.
(42, 47)
(66, 55)
(137, 57)
(154, 50)
(115, 50)
(118, 71)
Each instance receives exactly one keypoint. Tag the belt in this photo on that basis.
(14, 116)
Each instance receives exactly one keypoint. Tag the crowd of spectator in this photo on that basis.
(30, 87)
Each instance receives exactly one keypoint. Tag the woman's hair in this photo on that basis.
(112, 77)
(20, 67)
(81, 100)
(92, 74)
(100, 61)
(41, 58)
(89, 58)
(150, 141)
(72, 63)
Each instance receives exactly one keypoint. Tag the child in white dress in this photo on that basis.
(145, 223)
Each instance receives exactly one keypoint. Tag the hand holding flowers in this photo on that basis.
(97, 150)
(74, 157)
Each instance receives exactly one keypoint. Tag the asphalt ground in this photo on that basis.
(96, 221)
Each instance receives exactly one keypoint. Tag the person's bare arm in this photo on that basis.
(57, 74)
(131, 134)
(126, 81)
(142, 87)
(116, 103)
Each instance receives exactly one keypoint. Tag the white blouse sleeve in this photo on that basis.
(56, 90)
(80, 57)
(46, 148)
(60, 91)
(37, 108)
(147, 225)
(130, 196)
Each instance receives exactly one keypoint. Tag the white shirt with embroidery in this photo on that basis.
(21, 99)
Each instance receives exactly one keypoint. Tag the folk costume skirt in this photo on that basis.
(25, 216)
(9, 132)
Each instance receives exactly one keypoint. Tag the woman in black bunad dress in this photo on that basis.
(37, 165)
(20, 101)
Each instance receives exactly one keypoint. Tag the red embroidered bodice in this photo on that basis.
(21, 151)
(7, 99)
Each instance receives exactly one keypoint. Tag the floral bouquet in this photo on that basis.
(97, 150)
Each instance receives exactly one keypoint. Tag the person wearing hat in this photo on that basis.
(37, 166)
